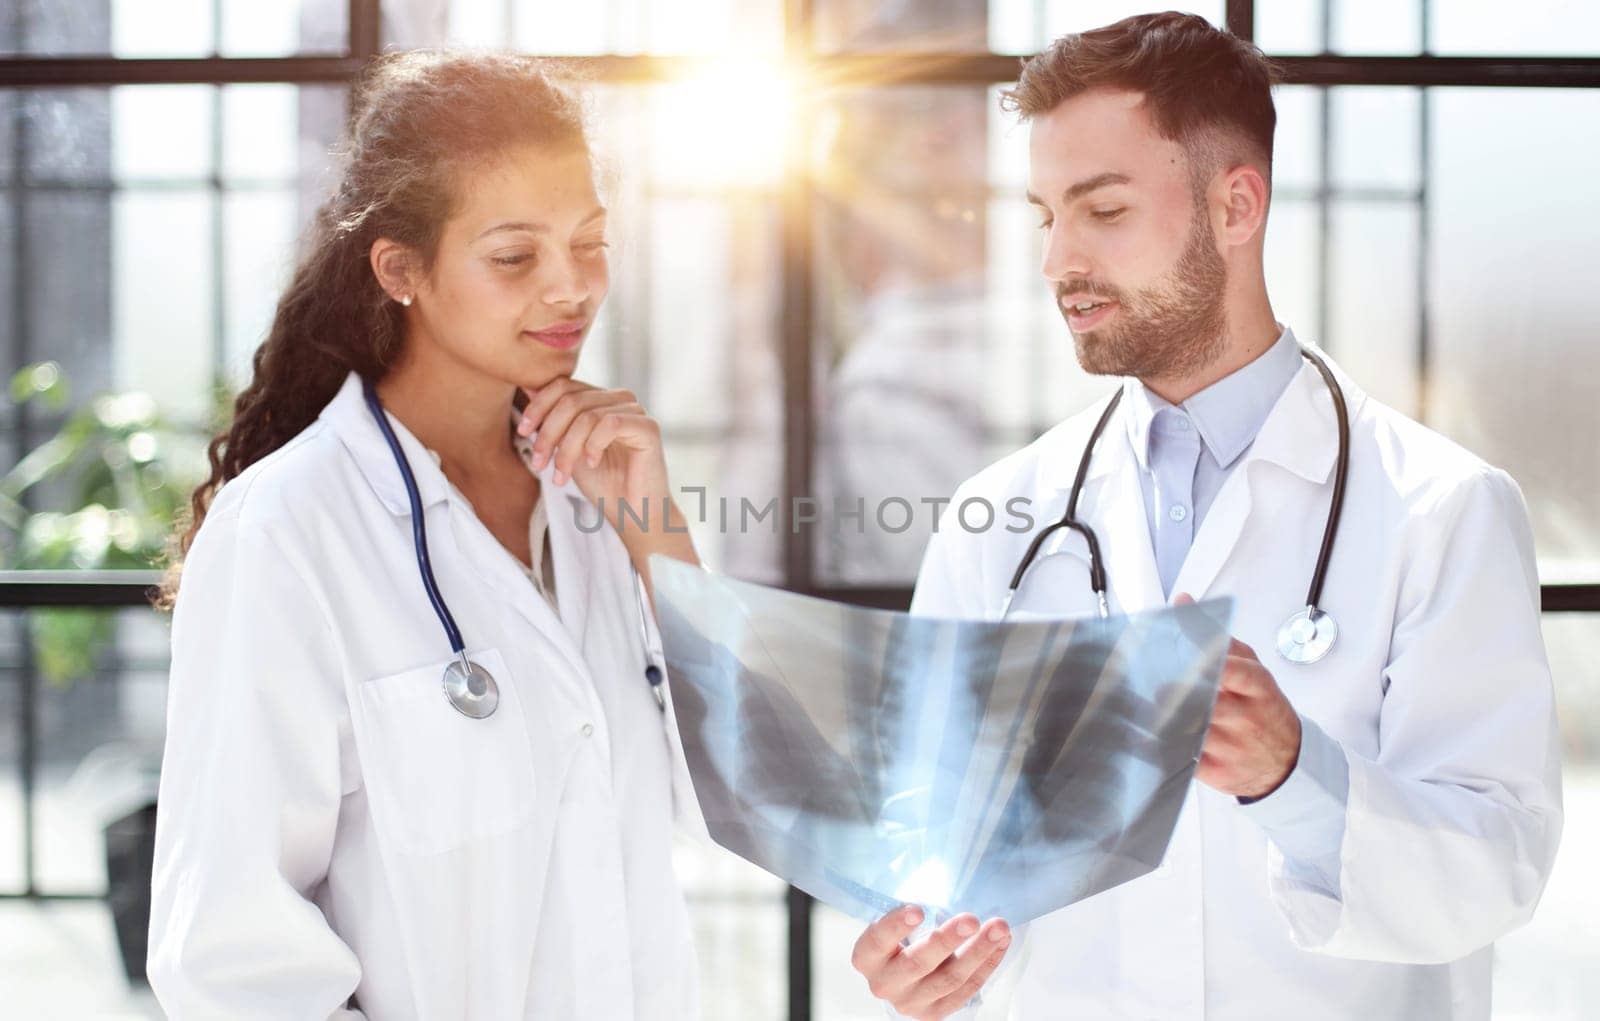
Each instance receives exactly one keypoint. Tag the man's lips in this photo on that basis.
(1097, 314)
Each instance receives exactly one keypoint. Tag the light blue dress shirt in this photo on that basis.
(1185, 453)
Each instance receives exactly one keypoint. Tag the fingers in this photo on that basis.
(596, 428)
(554, 422)
(618, 422)
(921, 958)
(881, 940)
(959, 973)
(540, 401)
(981, 959)
(1244, 675)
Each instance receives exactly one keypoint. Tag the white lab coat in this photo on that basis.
(329, 825)
(1438, 692)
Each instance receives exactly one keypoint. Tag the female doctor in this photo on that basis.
(357, 818)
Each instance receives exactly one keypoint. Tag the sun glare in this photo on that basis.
(726, 125)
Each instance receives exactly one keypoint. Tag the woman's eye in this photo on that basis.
(510, 260)
(590, 247)
(1107, 215)
(1044, 224)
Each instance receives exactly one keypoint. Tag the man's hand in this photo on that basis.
(935, 976)
(1254, 739)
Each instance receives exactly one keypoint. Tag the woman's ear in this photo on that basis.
(395, 267)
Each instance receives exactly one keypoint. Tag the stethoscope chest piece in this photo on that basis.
(471, 688)
(1307, 636)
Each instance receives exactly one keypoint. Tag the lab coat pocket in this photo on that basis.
(436, 779)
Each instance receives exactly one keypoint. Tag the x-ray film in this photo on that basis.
(873, 758)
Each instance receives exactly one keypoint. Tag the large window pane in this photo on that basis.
(1506, 260)
(691, 323)
(1343, 263)
(938, 345)
(902, 336)
(1513, 251)
(66, 274)
(152, 245)
(164, 298)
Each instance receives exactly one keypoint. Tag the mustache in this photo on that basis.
(1096, 291)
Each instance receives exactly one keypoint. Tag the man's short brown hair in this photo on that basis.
(1204, 87)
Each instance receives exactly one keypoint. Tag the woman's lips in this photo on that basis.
(564, 337)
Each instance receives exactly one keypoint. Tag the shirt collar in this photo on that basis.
(1229, 413)
(350, 418)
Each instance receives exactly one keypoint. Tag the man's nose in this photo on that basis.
(1064, 257)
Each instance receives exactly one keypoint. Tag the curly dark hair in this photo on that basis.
(420, 119)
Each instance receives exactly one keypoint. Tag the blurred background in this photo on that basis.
(825, 284)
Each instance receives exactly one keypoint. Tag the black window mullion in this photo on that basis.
(363, 30)
(796, 310)
(1240, 19)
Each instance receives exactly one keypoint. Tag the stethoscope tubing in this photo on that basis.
(1097, 575)
(419, 527)
(419, 537)
(1341, 471)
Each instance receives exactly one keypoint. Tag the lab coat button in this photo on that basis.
(587, 729)
(1178, 512)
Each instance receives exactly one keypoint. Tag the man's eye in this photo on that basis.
(591, 247)
(511, 260)
(1045, 224)
(1107, 215)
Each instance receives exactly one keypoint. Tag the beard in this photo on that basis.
(1170, 329)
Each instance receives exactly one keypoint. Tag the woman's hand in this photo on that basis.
(605, 442)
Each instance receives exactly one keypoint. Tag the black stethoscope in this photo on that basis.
(468, 686)
(1305, 637)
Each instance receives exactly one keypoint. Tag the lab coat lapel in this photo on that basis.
(504, 574)
(1118, 516)
(485, 558)
(1300, 436)
(567, 541)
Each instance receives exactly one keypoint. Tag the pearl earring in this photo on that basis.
(406, 301)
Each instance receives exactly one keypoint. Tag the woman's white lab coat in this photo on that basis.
(330, 826)
(1437, 692)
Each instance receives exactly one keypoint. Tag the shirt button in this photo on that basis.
(1178, 512)
(1183, 425)
(587, 729)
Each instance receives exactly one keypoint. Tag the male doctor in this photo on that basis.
(1368, 824)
